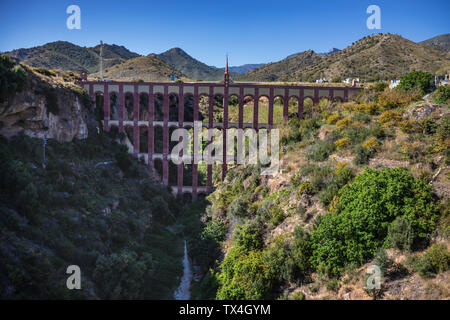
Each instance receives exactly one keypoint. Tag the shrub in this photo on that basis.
(362, 155)
(248, 236)
(214, 230)
(342, 143)
(298, 295)
(391, 99)
(382, 260)
(277, 216)
(400, 234)
(332, 119)
(416, 81)
(45, 71)
(428, 125)
(390, 117)
(305, 188)
(439, 257)
(238, 208)
(443, 130)
(442, 95)
(332, 284)
(12, 77)
(320, 151)
(380, 86)
(435, 260)
(344, 123)
(243, 276)
(371, 144)
(359, 225)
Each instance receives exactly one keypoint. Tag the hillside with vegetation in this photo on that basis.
(79, 201)
(145, 68)
(279, 71)
(376, 57)
(189, 66)
(441, 42)
(363, 183)
(67, 56)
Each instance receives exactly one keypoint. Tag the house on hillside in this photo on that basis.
(323, 80)
(394, 82)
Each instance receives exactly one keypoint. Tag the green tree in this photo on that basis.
(416, 81)
(358, 226)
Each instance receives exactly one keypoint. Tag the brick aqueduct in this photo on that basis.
(193, 92)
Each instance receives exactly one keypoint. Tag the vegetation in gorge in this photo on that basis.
(339, 209)
(83, 209)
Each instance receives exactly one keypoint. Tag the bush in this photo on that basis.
(238, 208)
(243, 276)
(371, 144)
(344, 123)
(382, 260)
(12, 77)
(320, 151)
(248, 236)
(434, 261)
(442, 95)
(214, 230)
(332, 119)
(359, 224)
(342, 143)
(390, 117)
(400, 234)
(416, 81)
(380, 86)
(45, 71)
(305, 188)
(391, 99)
(277, 216)
(298, 295)
(443, 130)
(362, 155)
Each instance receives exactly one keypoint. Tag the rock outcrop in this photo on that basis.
(27, 112)
(46, 107)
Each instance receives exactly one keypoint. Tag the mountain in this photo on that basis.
(380, 56)
(147, 68)
(441, 42)
(68, 56)
(244, 68)
(280, 71)
(189, 66)
(331, 51)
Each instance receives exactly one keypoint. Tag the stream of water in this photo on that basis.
(184, 290)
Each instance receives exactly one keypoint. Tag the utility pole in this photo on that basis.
(101, 60)
(44, 143)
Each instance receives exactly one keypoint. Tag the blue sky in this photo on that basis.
(250, 31)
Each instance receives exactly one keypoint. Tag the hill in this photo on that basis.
(68, 56)
(282, 70)
(147, 68)
(441, 42)
(244, 68)
(311, 232)
(381, 56)
(189, 66)
(92, 205)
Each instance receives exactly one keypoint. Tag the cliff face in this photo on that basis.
(45, 106)
(27, 112)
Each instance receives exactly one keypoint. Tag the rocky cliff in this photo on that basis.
(42, 105)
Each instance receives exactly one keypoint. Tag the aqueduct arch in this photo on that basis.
(168, 105)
